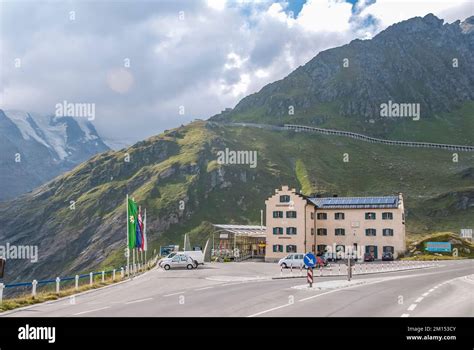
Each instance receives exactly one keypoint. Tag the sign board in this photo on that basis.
(466, 233)
(2, 267)
(309, 260)
(438, 247)
(224, 236)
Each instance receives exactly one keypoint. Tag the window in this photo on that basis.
(312, 248)
(388, 249)
(370, 216)
(291, 248)
(183, 258)
(278, 214)
(291, 230)
(339, 216)
(291, 214)
(370, 232)
(312, 232)
(312, 216)
(284, 199)
(321, 248)
(278, 230)
(322, 232)
(340, 232)
(277, 248)
(387, 232)
(387, 216)
(322, 216)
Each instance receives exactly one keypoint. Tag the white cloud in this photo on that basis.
(219, 53)
(325, 16)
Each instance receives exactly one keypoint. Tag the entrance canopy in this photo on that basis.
(243, 230)
(239, 242)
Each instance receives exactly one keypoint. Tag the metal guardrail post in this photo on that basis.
(58, 282)
(103, 276)
(33, 288)
(77, 282)
(91, 278)
(113, 275)
(122, 272)
(1, 292)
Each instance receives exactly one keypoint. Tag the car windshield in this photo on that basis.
(171, 255)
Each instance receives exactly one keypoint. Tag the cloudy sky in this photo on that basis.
(142, 62)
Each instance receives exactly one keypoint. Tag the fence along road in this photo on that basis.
(353, 135)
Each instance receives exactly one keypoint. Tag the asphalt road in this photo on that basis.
(245, 289)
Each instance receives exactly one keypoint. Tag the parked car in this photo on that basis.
(368, 257)
(196, 255)
(178, 261)
(387, 256)
(294, 260)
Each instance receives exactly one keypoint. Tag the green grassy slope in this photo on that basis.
(180, 166)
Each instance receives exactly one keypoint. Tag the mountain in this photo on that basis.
(420, 60)
(36, 148)
(78, 221)
(180, 168)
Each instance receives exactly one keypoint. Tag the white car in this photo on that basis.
(178, 261)
(294, 260)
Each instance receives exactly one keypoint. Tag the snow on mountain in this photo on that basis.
(41, 147)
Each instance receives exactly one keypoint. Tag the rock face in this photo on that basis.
(420, 60)
(34, 149)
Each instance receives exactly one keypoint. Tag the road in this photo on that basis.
(245, 289)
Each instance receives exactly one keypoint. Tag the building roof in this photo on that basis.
(243, 230)
(355, 202)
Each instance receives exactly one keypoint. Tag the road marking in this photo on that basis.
(405, 315)
(432, 289)
(419, 299)
(169, 295)
(412, 307)
(269, 310)
(425, 294)
(138, 301)
(204, 288)
(318, 295)
(85, 312)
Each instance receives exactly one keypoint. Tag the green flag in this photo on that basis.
(132, 222)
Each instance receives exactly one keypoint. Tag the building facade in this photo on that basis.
(298, 223)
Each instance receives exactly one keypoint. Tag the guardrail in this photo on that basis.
(134, 269)
(377, 140)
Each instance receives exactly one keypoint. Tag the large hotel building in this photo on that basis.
(296, 223)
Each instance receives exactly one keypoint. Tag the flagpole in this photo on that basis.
(127, 245)
(145, 246)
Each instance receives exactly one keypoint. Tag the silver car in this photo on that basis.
(178, 261)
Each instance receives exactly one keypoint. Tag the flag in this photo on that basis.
(139, 230)
(145, 244)
(132, 223)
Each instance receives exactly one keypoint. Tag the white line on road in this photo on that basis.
(269, 310)
(419, 299)
(169, 295)
(425, 294)
(412, 307)
(405, 315)
(85, 312)
(204, 288)
(432, 289)
(138, 301)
